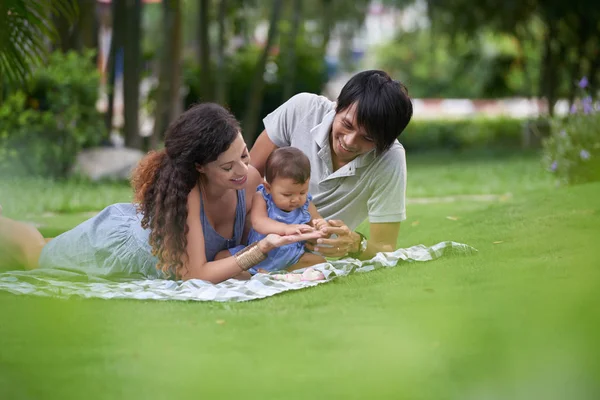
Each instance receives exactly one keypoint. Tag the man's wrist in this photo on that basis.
(359, 245)
(356, 239)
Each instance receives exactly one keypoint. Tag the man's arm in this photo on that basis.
(383, 238)
(260, 151)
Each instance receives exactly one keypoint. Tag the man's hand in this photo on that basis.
(345, 242)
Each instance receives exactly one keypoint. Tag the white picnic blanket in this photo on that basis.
(64, 284)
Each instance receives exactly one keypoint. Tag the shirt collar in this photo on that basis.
(321, 131)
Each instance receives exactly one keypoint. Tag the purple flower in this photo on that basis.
(587, 105)
(554, 166)
(583, 82)
(573, 109)
(584, 154)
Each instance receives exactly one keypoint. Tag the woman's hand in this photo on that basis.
(345, 242)
(273, 240)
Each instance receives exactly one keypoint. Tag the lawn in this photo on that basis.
(519, 320)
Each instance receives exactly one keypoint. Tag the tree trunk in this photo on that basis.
(206, 92)
(575, 69)
(258, 83)
(547, 84)
(289, 82)
(169, 81)
(221, 77)
(88, 24)
(131, 74)
(327, 24)
(594, 67)
(116, 42)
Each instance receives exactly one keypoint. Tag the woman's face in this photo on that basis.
(230, 169)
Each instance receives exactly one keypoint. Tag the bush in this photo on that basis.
(572, 152)
(462, 134)
(43, 127)
(310, 77)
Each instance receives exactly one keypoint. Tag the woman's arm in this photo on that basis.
(196, 266)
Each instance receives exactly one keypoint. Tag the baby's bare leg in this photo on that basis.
(20, 245)
(307, 260)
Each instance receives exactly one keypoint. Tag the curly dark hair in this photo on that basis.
(163, 179)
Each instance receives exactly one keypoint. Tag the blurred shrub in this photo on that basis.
(44, 126)
(572, 152)
(461, 134)
(437, 65)
(310, 76)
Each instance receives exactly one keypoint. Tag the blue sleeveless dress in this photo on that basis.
(114, 244)
(284, 256)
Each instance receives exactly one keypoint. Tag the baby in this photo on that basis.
(283, 205)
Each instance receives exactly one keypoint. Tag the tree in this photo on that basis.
(204, 50)
(24, 27)
(131, 73)
(570, 45)
(221, 77)
(81, 33)
(251, 116)
(168, 102)
(119, 20)
(290, 79)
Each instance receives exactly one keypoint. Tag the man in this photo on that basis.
(358, 165)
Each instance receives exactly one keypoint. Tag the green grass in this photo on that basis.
(469, 172)
(519, 320)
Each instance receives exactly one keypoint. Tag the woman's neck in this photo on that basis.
(211, 192)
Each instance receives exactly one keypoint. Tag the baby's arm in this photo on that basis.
(316, 221)
(264, 225)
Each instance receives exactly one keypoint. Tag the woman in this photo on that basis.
(192, 200)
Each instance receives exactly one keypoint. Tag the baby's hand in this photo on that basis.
(298, 229)
(319, 223)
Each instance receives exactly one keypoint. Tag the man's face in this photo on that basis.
(348, 141)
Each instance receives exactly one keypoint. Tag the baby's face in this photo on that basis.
(287, 194)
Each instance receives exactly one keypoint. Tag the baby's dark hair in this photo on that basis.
(287, 162)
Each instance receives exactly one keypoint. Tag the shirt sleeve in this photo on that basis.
(388, 199)
(280, 124)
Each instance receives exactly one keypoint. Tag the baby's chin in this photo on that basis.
(286, 209)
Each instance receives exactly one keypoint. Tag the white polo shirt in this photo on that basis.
(367, 187)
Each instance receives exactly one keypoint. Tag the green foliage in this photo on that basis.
(239, 69)
(572, 152)
(461, 134)
(437, 65)
(24, 26)
(43, 127)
